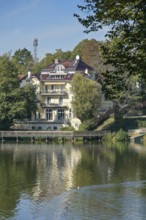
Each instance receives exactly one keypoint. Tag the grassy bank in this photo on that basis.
(126, 124)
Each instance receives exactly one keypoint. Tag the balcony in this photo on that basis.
(53, 92)
(53, 105)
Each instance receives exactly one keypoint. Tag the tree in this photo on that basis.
(15, 102)
(87, 94)
(125, 47)
(90, 53)
(23, 60)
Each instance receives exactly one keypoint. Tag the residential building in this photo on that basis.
(53, 90)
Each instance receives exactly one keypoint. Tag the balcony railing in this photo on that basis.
(53, 92)
(49, 105)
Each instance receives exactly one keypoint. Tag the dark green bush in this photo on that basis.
(119, 136)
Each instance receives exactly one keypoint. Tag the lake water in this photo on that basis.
(72, 182)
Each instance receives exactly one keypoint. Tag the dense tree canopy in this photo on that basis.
(125, 47)
(15, 102)
(23, 60)
(90, 52)
(87, 95)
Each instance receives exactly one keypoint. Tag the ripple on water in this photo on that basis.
(111, 201)
(115, 201)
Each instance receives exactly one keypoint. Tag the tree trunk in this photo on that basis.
(118, 115)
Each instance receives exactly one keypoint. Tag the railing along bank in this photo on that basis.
(51, 134)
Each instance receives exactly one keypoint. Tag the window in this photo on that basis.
(46, 88)
(62, 87)
(49, 114)
(60, 114)
(48, 100)
(60, 100)
(70, 114)
(52, 87)
(59, 68)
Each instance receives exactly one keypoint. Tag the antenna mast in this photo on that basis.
(35, 44)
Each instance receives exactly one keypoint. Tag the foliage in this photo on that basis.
(124, 49)
(15, 103)
(119, 136)
(7, 68)
(88, 125)
(90, 52)
(23, 60)
(67, 128)
(87, 94)
(109, 137)
(27, 93)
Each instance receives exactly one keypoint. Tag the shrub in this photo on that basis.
(109, 137)
(67, 128)
(87, 125)
(121, 135)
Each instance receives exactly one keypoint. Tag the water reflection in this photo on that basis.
(37, 181)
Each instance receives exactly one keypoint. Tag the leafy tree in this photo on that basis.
(23, 60)
(15, 102)
(125, 47)
(61, 55)
(90, 52)
(87, 94)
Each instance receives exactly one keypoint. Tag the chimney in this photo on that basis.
(56, 61)
(86, 71)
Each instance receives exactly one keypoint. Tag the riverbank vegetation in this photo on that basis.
(120, 136)
(124, 50)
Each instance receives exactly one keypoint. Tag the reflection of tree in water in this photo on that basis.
(95, 165)
(15, 177)
(116, 163)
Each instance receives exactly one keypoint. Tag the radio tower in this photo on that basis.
(35, 44)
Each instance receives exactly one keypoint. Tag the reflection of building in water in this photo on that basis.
(55, 171)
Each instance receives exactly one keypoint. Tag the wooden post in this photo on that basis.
(62, 140)
(47, 139)
(2, 137)
(72, 140)
(33, 140)
(17, 139)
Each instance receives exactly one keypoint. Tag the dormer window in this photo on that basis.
(59, 68)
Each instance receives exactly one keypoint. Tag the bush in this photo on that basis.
(67, 128)
(119, 136)
(109, 137)
(88, 125)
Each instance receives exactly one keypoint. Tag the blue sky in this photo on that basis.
(50, 21)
